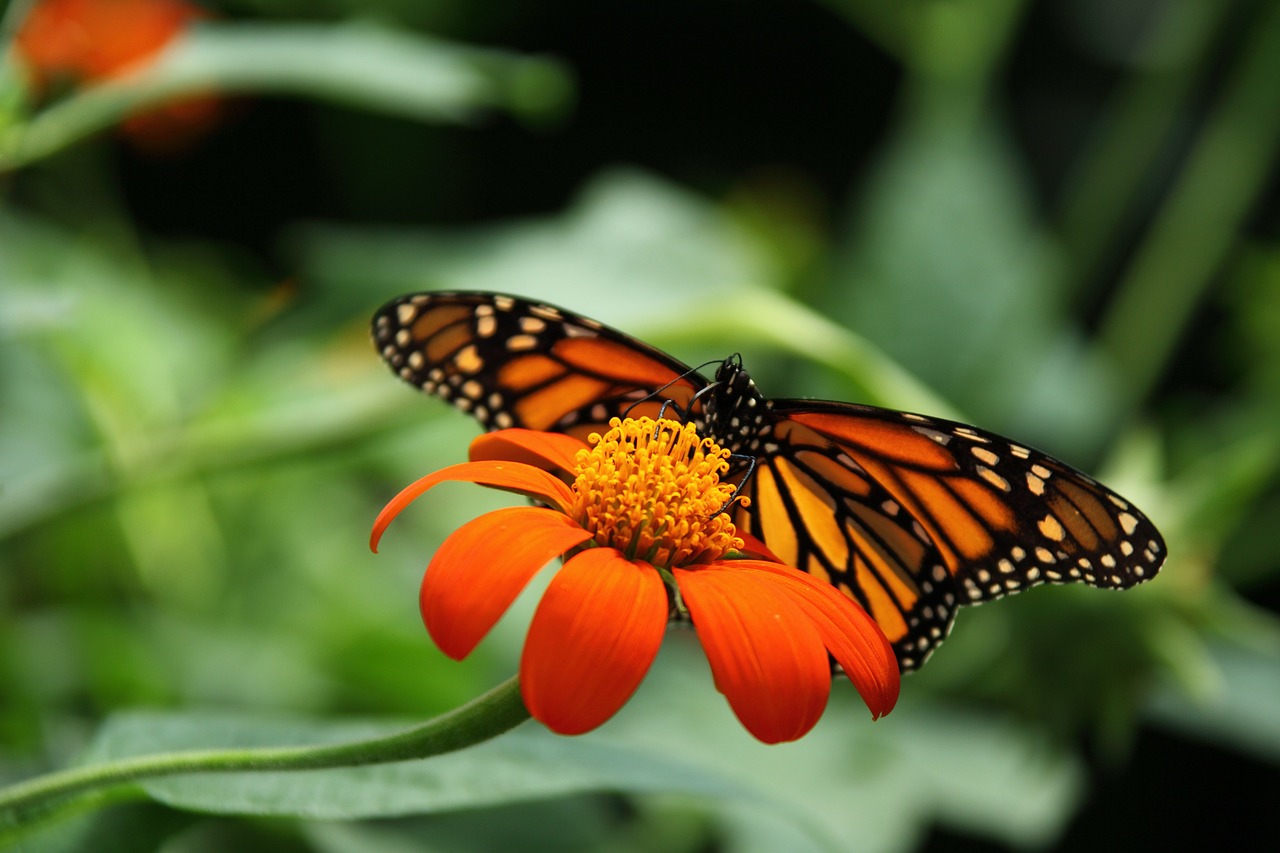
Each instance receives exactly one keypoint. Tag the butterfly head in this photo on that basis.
(730, 369)
(733, 408)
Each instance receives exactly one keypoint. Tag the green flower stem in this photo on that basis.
(488, 716)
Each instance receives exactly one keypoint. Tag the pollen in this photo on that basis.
(652, 490)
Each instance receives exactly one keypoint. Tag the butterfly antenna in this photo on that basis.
(657, 392)
(681, 414)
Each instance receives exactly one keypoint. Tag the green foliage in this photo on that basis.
(841, 781)
(367, 66)
(193, 444)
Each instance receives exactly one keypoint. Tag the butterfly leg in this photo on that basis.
(751, 467)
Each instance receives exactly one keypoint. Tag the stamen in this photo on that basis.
(652, 489)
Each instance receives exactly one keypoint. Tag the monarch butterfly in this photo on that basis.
(911, 516)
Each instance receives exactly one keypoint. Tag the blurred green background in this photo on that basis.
(1056, 220)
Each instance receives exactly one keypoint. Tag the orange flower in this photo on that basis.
(646, 543)
(96, 40)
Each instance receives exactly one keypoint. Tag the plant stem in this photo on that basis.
(488, 716)
(1101, 197)
(1195, 231)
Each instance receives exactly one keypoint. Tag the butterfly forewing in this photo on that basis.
(511, 362)
(911, 516)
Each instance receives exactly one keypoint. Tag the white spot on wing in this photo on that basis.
(938, 436)
(522, 343)
(985, 455)
(993, 478)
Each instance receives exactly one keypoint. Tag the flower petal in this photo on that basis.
(481, 568)
(593, 638)
(550, 451)
(756, 548)
(509, 476)
(852, 636)
(765, 654)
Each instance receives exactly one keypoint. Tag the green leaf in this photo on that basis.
(359, 64)
(854, 783)
(526, 764)
(124, 828)
(585, 822)
(624, 233)
(948, 271)
(848, 779)
(1242, 710)
(697, 279)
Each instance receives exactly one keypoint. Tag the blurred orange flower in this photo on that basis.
(88, 41)
(98, 39)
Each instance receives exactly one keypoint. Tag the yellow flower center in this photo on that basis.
(652, 490)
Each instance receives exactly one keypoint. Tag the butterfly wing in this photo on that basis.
(915, 516)
(511, 362)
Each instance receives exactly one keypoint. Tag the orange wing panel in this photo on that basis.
(817, 508)
(832, 471)
(527, 371)
(893, 441)
(436, 319)
(775, 524)
(1091, 506)
(940, 510)
(985, 502)
(544, 407)
(446, 342)
(606, 358)
(883, 608)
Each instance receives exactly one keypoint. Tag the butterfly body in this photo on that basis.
(909, 515)
(733, 411)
